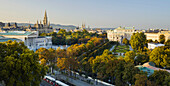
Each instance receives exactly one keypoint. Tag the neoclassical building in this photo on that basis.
(31, 39)
(120, 33)
(155, 36)
(42, 28)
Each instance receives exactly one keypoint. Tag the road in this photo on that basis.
(130, 48)
(80, 81)
(44, 83)
(76, 82)
(112, 47)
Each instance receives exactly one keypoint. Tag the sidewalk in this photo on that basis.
(76, 82)
(130, 48)
(80, 81)
(112, 47)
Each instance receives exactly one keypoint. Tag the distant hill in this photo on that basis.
(59, 26)
(105, 28)
(53, 25)
(63, 26)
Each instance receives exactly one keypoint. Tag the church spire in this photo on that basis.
(83, 25)
(49, 23)
(37, 22)
(40, 21)
(45, 14)
(45, 19)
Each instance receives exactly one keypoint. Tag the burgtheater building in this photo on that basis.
(120, 33)
(30, 39)
(42, 28)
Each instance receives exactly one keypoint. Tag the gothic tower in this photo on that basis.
(83, 26)
(45, 19)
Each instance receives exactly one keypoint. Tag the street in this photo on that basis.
(44, 83)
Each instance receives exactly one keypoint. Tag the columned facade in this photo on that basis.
(120, 33)
(30, 39)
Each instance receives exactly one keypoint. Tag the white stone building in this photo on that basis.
(120, 33)
(31, 39)
(155, 36)
(153, 45)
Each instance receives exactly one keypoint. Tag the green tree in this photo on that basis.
(142, 80)
(161, 78)
(119, 73)
(141, 58)
(138, 41)
(129, 73)
(156, 41)
(160, 56)
(43, 53)
(99, 64)
(43, 34)
(125, 41)
(62, 32)
(111, 67)
(162, 39)
(167, 43)
(19, 66)
(149, 41)
(67, 64)
(86, 65)
(167, 81)
(130, 56)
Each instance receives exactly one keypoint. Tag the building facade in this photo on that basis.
(120, 33)
(153, 45)
(31, 39)
(155, 36)
(12, 27)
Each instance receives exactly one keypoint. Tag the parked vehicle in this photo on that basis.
(53, 81)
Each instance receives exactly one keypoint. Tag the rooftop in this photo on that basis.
(44, 37)
(1, 37)
(129, 27)
(6, 39)
(149, 67)
(124, 28)
(16, 33)
(145, 69)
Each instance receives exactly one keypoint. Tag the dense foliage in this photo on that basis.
(94, 59)
(167, 43)
(160, 56)
(161, 78)
(100, 50)
(138, 41)
(130, 56)
(162, 39)
(19, 66)
(63, 37)
(125, 41)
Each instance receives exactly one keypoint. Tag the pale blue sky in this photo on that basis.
(96, 13)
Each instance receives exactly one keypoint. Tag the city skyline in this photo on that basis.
(97, 13)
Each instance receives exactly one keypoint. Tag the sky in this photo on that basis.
(142, 14)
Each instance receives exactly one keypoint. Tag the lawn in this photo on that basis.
(121, 49)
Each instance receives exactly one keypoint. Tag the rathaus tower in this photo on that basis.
(42, 28)
(45, 21)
